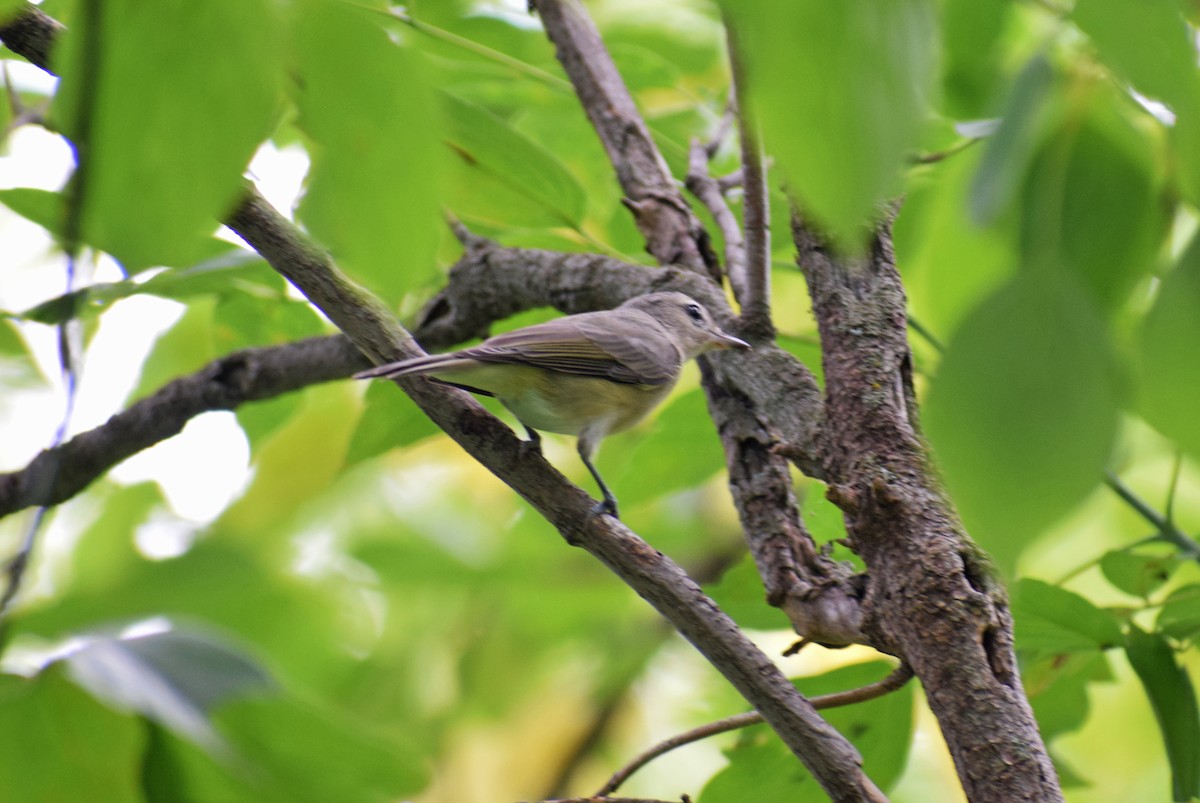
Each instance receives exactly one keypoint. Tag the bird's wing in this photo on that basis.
(633, 351)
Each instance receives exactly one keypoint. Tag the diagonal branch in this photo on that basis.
(673, 234)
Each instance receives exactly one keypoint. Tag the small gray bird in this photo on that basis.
(586, 375)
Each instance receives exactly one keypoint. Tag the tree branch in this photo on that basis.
(57, 474)
(708, 191)
(673, 234)
(756, 212)
(895, 680)
(931, 597)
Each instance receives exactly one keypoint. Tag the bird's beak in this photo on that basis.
(725, 341)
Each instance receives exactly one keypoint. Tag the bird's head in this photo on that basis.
(689, 324)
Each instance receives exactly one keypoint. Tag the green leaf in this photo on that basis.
(740, 594)
(864, 69)
(1092, 202)
(972, 32)
(174, 677)
(488, 145)
(1148, 42)
(1050, 619)
(373, 190)
(1169, 371)
(680, 450)
(237, 271)
(761, 768)
(1180, 615)
(1008, 151)
(45, 719)
(1137, 574)
(950, 263)
(1057, 686)
(167, 147)
(389, 419)
(316, 756)
(43, 207)
(1027, 390)
(180, 350)
(1173, 699)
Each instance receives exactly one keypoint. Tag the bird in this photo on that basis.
(588, 375)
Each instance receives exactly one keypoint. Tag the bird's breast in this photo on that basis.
(569, 404)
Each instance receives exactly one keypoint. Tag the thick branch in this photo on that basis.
(931, 597)
(673, 234)
(59, 473)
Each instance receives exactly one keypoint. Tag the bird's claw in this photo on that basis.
(608, 506)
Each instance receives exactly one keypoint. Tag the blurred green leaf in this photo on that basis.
(1147, 42)
(1092, 201)
(740, 594)
(1137, 574)
(1173, 698)
(162, 173)
(1057, 685)
(317, 756)
(487, 144)
(388, 420)
(949, 262)
(174, 677)
(232, 272)
(296, 465)
(43, 207)
(972, 35)
(59, 744)
(373, 190)
(180, 350)
(682, 450)
(1027, 389)
(1169, 370)
(1007, 152)
(1180, 615)
(842, 89)
(881, 729)
(1050, 619)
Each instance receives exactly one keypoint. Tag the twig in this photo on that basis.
(898, 677)
(706, 189)
(69, 330)
(756, 212)
(1167, 531)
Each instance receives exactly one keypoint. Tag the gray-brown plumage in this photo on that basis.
(586, 375)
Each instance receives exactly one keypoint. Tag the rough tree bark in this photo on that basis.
(927, 597)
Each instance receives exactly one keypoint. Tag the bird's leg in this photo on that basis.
(534, 443)
(609, 505)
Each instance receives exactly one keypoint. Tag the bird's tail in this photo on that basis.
(430, 363)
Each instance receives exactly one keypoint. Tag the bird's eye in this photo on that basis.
(695, 313)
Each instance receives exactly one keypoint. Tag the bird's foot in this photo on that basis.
(608, 506)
